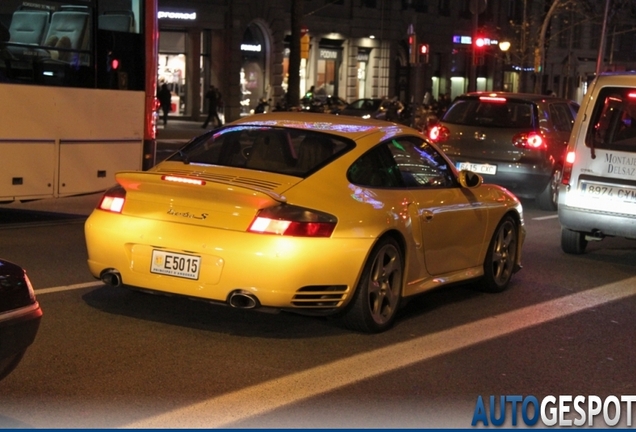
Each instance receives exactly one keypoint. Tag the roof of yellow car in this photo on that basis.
(346, 126)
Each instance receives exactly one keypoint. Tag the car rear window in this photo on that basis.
(491, 112)
(281, 150)
(613, 123)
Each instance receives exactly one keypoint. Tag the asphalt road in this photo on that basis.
(110, 357)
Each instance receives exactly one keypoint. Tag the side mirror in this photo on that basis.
(469, 179)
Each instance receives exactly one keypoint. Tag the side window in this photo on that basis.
(376, 168)
(420, 165)
(402, 163)
(562, 118)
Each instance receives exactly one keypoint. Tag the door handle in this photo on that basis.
(427, 215)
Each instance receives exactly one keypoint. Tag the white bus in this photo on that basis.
(77, 94)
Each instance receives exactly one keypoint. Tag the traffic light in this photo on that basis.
(479, 46)
(423, 51)
(413, 49)
(112, 62)
(304, 46)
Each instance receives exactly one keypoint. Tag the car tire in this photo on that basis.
(501, 257)
(377, 297)
(8, 364)
(573, 242)
(549, 199)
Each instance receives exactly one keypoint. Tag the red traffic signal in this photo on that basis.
(480, 42)
(423, 49)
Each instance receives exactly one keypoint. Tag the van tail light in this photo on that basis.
(567, 168)
(289, 220)
(113, 200)
(529, 140)
(438, 133)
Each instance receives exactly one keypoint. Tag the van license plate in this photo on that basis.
(175, 264)
(617, 193)
(477, 168)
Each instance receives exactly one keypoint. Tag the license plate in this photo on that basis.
(615, 193)
(477, 168)
(175, 264)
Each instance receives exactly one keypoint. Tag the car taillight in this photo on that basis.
(567, 168)
(529, 140)
(113, 200)
(438, 133)
(289, 220)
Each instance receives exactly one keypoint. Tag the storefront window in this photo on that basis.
(326, 72)
(253, 70)
(172, 67)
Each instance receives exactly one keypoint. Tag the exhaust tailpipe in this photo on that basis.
(111, 277)
(243, 300)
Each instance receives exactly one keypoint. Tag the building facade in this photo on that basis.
(359, 49)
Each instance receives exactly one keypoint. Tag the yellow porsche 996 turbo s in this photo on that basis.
(309, 213)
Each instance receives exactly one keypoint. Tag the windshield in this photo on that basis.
(493, 113)
(286, 151)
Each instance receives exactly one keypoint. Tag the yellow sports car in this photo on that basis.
(310, 213)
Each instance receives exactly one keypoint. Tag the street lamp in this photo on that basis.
(504, 46)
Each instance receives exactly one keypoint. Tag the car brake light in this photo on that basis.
(438, 133)
(289, 220)
(494, 99)
(184, 180)
(567, 168)
(113, 200)
(529, 140)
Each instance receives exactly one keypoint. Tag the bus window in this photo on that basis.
(78, 82)
(51, 43)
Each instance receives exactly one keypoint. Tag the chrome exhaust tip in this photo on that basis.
(111, 277)
(243, 300)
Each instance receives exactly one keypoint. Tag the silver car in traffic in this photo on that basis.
(515, 140)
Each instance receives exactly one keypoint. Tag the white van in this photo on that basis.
(597, 196)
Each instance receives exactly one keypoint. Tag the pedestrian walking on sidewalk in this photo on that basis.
(214, 97)
(165, 100)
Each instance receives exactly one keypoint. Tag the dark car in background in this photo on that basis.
(323, 104)
(515, 140)
(20, 315)
(367, 108)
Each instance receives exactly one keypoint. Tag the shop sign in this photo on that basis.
(326, 54)
(182, 16)
(251, 47)
(363, 56)
(467, 40)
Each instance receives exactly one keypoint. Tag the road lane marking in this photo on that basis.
(227, 409)
(546, 217)
(67, 287)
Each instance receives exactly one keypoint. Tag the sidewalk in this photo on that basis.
(178, 129)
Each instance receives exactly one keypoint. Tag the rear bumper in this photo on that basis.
(271, 268)
(18, 329)
(597, 222)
